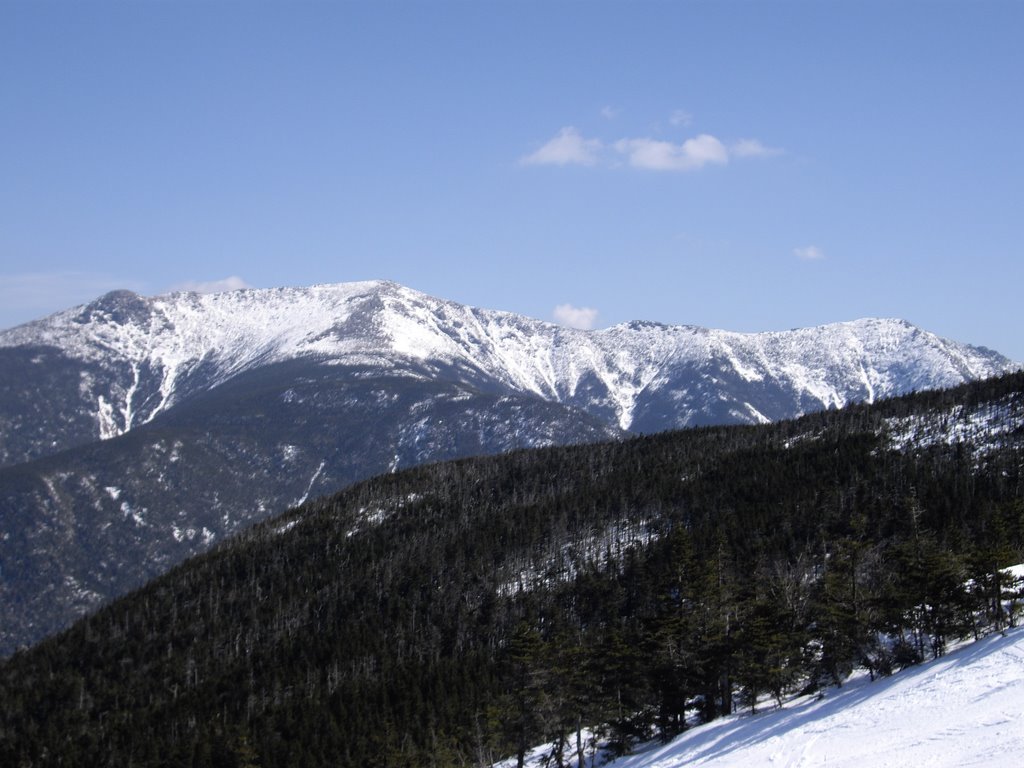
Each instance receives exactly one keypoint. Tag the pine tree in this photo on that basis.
(715, 629)
(840, 608)
(519, 715)
(675, 663)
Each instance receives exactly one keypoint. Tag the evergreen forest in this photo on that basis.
(459, 613)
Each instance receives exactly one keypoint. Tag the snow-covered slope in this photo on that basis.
(984, 427)
(130, 358)
(964, 709)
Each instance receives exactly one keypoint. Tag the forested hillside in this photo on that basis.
(457, 613)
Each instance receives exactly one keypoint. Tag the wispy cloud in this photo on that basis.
(575, 317)
(609, 112)
(753, 148)
(30, 295)
(681, 118)
(232, 283)
(809, 253)
(692, 154)
(567, 148)
(570, 147)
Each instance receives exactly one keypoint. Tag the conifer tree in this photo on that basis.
(675, 663)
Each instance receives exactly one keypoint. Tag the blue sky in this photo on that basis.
(739, 165)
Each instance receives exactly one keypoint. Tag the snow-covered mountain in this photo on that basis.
(97, 371)
(136, 431)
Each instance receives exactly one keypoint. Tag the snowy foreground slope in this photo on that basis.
(964, 709)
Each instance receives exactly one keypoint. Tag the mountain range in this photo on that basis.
(137, 431)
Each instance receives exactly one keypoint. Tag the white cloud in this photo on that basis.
(681, 118)
(609, 112)
(691, 155)
(575, 317)
(809, 253)
(753, 148)
(232, 283)
(567, 148)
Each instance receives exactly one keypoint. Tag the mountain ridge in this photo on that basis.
(159, 351)
(135, 432)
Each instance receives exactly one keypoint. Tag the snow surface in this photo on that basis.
(964, 709)
(563, 564)
(984, 426)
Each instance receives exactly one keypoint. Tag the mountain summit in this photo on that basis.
(123, 359)
(135, 432)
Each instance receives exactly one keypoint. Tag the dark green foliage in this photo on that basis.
(843, 620)
(457, 613)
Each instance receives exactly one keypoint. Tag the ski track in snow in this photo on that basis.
(964, 709)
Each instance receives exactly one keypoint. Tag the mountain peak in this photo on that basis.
(297, 391)
(641, 375)
(121, 307)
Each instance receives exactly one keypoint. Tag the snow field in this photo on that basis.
(963, 709)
